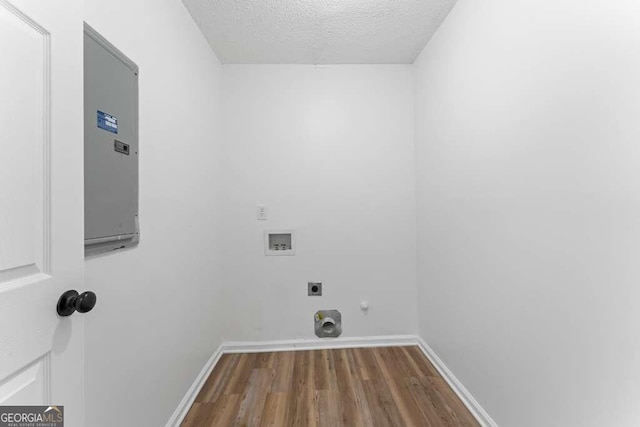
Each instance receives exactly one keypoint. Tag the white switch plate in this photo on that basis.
(261, 213)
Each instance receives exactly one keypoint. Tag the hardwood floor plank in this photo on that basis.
(406, 365)
(415, 368)
(426, 368)
(366, 363)
(354, 410)
(430, 410)
(265, 360)
(241, 374)
(226, 410)
(383, 408)
(275, 412)
(391, 386)
(217, 381)
(303, 372)
(283, 368)
(407, 407)
(200, 414)
(304, 409)
(254, 397)
(302, 404)
(327, 408)
(324, 370)
(222, 412)
(387, 362)
(438, 390)
(393, 373)
(331, 370)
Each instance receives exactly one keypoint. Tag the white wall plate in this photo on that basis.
(279, 242)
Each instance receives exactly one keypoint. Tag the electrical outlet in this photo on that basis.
(314, 289)
(261, 213)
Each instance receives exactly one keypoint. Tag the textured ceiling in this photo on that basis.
(318, 31)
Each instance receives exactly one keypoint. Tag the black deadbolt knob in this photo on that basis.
(70, 302)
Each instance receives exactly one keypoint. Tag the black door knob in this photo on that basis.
(70, 302)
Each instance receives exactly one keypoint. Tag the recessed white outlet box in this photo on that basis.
(261, 213)
(280, 242)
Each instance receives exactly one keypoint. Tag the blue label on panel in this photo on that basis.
(107, 122)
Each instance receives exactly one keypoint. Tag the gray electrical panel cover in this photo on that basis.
(110, 146)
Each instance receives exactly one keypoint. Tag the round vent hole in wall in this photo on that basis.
(328, 323)
(328, 326)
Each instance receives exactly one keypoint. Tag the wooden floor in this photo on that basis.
(387, 386)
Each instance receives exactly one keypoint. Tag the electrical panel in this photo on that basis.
(110, 146)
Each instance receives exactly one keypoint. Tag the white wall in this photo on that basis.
(528, 153)
(329, 150)
(157, 318)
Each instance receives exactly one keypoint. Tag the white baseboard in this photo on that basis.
(472, 404)
(316, 344)
(185, 404)
(354, 342)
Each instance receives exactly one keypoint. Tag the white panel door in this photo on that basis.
(41, 234)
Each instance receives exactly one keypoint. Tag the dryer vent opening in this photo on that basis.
(328, 323)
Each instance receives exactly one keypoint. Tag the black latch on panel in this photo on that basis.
(121, 147)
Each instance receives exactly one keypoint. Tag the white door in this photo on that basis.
(41, 203)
